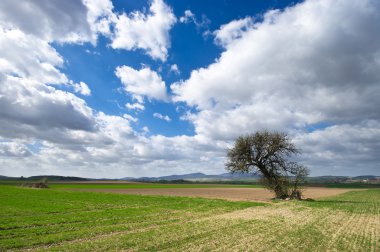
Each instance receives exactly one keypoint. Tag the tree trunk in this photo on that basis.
(275, 183)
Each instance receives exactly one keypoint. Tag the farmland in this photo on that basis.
(227, 193)
(60, 219)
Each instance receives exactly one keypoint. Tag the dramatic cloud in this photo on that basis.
(342, 149)
(100, 16)
(27, 56)
(149, 32)
(45, 19)
(32, 106)
(60, 21)
(142, 83)
(29, 105)
(37, 108)
(314, 63)
(44, 128)
(82, 21)
(311, 69)
(13, 150)
(331, 74)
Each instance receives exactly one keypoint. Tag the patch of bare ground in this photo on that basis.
(101, 182)
(233, 194)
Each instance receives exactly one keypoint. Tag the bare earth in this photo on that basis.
(233, 194)
(110, 182)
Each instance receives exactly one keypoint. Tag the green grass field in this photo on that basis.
(60, 220)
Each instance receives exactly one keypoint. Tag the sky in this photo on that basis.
(111, 89)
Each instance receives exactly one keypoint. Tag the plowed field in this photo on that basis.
(234, 194)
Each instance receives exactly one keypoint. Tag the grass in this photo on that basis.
(32, 218)
(60, 220)
(363, 201)
(352, 185)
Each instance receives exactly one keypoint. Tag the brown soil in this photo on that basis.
(95, 182)
(233, 194)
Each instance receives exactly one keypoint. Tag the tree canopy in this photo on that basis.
(268, 153)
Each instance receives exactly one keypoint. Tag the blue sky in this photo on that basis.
(146, 88)
(190, 48)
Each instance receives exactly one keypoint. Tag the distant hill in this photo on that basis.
(48, 177)
(7, 178)
(341, 178)
(198, 177)
(201, 177)
(365, 177)
(242, 177)
(57, 178)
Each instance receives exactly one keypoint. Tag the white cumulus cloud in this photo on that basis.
(147, 31)
(232, 31)
(27, 56)
(100, 16)
(311, 63)
(142, 83)
(13, 149)
(51, 20)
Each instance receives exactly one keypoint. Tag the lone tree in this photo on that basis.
(268, 153)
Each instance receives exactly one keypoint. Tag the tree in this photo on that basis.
(268, 153)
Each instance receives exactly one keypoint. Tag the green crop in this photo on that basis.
(61, 220)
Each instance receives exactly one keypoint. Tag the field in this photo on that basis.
(60, 219)
(227, 193)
